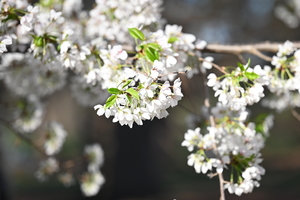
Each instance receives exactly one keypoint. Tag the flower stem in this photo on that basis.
(212, 123)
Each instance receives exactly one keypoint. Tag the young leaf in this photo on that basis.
(113, 90)
(155, 46)
(248, 64)
(39, 41)
(240, 78)
(127, 83)
(11, 16)
(241, 66)
(172, 39)
(133, 93)
(251, 75)
(151, 54)
(136, 33)
(128, 98)
(111, 101)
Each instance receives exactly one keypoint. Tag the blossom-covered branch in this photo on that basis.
(124, 61)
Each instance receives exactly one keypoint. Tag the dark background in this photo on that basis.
(148, 162)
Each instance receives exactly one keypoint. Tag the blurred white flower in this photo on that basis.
(47, 167)
(55, 138)
(95, 157)
(4, 41)
(67, 179)
(91, 183)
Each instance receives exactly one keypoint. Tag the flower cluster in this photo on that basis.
(28, 113)
(91, 183)
(92, 180)
(25, 75)
(148, 100)
(55, 137)
(95, 157)
(242, 87)
(284, 78)
(138, 93)
(234, 143)
(116, 16)
(47, 168)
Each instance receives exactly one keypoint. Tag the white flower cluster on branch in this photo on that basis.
(235, 143)
(92, 180)
(122, 60)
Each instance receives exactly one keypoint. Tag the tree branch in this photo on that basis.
(24, 138)
(221, 69)
(254, 49)
(296, 114)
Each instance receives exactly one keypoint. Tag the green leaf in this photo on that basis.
(128, 98)
(241, 66)
(111, 101)
(136, 33)
(39, 41)
(248, 64)
(155, 46)
(113, 90)
(251, 75)
(52, 38)
(151, 54)
(240, 78)
(127, 83)
(11, 16)
(172, 39)
(133, 93)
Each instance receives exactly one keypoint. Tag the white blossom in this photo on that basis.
(55, 138)
(29, 114)
(91, 183)
(4, 41)
(192, 139)
(67, 179)
(95, 157)
(47, 167)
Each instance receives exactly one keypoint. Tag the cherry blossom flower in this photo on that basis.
(47, 167)
(95, 157)
(91, 183)
(55, 138)
(192, 139)
(4, 41)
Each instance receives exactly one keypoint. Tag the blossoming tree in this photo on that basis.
(126, 63)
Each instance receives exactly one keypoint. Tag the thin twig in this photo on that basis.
(296, 114)
(212, 123)
(241, 58)
(24, 138)
(260, 55)
(72, 163)
(214, 65)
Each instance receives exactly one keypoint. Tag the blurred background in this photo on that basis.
(148, 162)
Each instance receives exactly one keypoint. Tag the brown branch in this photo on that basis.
(221, 69)
(241, 58)
(24, 138)
(296, 114)
(238, 49)
(72, 163)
